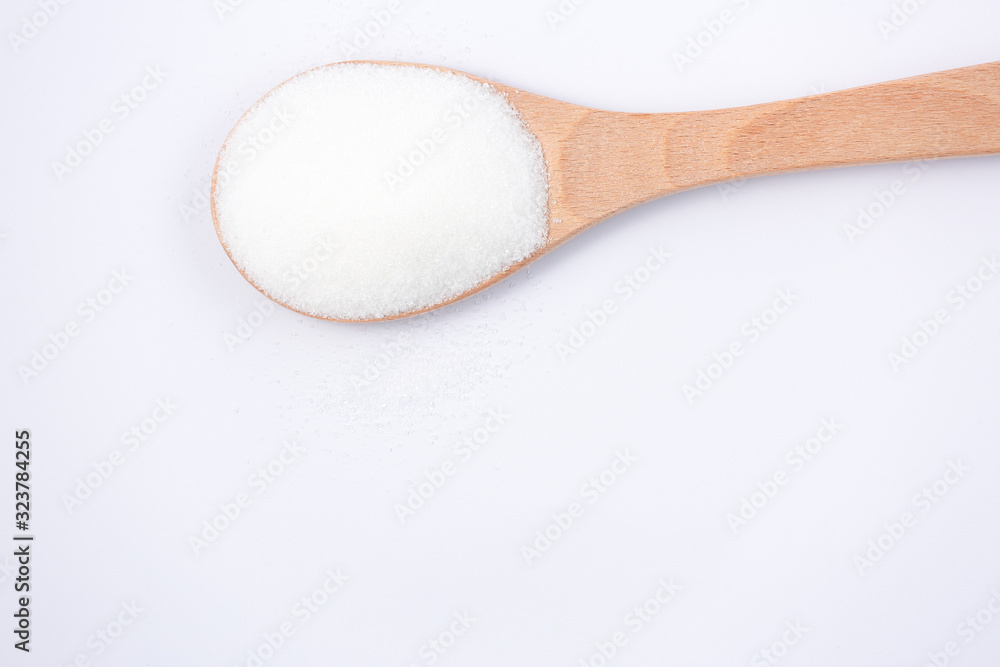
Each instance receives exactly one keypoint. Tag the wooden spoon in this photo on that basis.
(601, 163)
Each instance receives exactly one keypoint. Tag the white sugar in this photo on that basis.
(362, 191)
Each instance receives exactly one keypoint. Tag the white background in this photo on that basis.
(163, 337)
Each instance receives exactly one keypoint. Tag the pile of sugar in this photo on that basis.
(359, 191)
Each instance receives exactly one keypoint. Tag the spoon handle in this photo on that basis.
(947, 114)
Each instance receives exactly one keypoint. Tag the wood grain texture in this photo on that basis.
(601, 163)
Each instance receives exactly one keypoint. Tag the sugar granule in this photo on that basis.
(360, 191)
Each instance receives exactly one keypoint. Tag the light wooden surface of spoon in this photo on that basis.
(601, 163)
